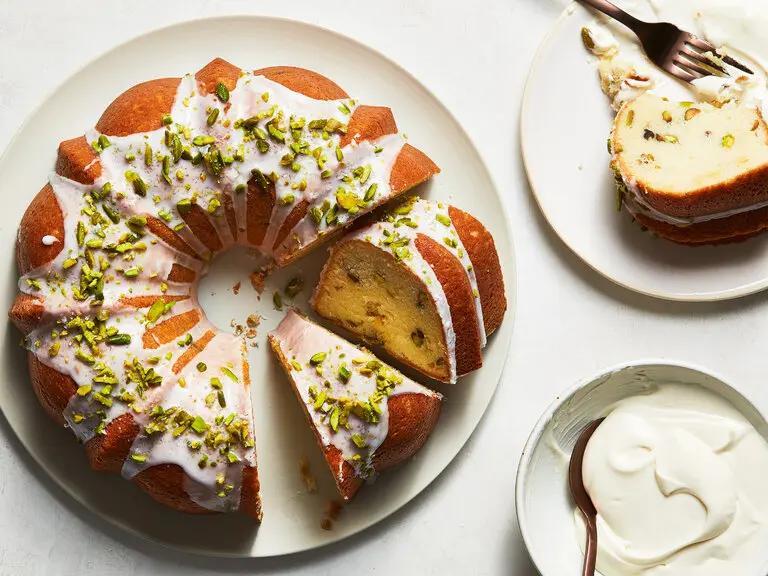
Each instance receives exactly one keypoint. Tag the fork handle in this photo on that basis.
(614, 12)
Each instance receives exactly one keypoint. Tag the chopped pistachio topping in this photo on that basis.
(199, 425)
(318, 358)
(212, 117)
(231, 375)
(359, 441)
(203, 140)
(119, 339)
(344, 373)
(222, 92)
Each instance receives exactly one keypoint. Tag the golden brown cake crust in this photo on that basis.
(170, 329)
(415, 416)
(217, 71)
(258, 211)
(27, 312)
(411, 168)
(43, 216)
(369, 123)
(107, 452)
(486, 265)
(52, 388)
(139, 109)
(458, 292)
(165, 483)
(250, 501)
(307, 82)
(720, 231)
(77, 161)
(746, 190)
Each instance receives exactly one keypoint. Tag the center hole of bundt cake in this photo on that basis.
(238, 296)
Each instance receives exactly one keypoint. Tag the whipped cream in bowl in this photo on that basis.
(676, 471)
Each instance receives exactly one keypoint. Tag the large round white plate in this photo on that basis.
(565, 123)
(291, 515)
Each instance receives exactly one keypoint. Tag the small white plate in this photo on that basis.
(565, 124)
(545, 511)
(291, 516)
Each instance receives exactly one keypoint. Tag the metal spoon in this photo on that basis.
(581, 497)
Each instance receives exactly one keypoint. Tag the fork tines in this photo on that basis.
(693, 53)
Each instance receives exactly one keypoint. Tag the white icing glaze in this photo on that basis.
(198, 396)
(203, 155)
(369, 381)
(398, 232)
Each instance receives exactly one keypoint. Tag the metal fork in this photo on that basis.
(678, 52)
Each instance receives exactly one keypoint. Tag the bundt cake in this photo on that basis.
(692, 173)
(111, 249)
(366, 416)
(424, 283)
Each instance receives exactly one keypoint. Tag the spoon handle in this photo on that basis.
(590, 554)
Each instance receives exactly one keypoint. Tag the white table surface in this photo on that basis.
(569, 321)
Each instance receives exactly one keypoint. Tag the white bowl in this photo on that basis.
(544, 506)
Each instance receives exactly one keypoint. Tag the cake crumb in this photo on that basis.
(332, 511)
(237, 328)
(259, 277)
(236, 288)
(249, 329)
(306, 475)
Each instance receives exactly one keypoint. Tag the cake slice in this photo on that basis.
(366, 416)
(692, 172)
(425, 284)
(156, 393)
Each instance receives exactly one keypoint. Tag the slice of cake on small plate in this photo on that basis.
(694, 173)
(366, 416)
